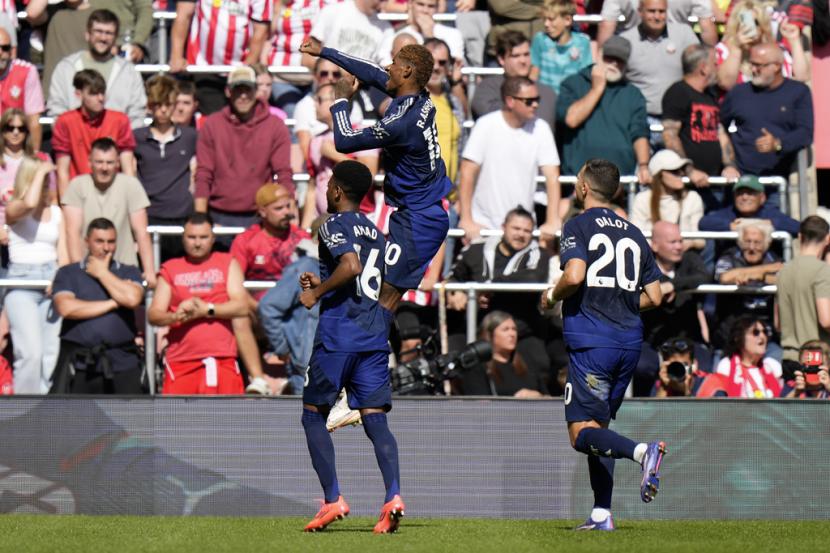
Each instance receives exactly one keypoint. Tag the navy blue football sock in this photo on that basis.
(321, 449)
(386, 451)
(604, 443)
(601, 472)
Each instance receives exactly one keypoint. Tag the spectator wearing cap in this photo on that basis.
(656, 49)
(124, 86)
(680, 315)
(692, 125)
(165, 156)
(750, 202)
(750, 263)
(76, 130)
(603, 115)
(773, 116)
(263, 251)
(667, 198)
(20, 87)
(239, 148)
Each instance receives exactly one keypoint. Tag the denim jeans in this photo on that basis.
(35, 330)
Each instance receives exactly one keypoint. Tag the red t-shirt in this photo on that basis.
(207, 280)
(74, 133)
(262, 256)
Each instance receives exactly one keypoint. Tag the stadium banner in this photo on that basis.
(485, 457)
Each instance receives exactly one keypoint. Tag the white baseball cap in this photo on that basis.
(666, 160)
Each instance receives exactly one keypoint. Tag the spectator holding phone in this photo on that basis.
(813, 379)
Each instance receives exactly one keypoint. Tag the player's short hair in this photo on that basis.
(354, 178)
(603, 178)
(507, 40)
(99, 223)
(161, 90)
(560, 8)
(511, 86)
(199, 218)
(89, 79)
(421, 61)
(188, 88)
(813, 229)
(518, 211)
(693, 56)
(103, 16)
(103, 144)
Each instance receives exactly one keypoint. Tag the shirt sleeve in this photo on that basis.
(474, 149)
(567, 95)
(33, 94)
(674, 104)
(822, 283)
(536, 49)
(72, 196)
(60, 137)
(611, 10)
(724, 264)
(125, 139)
(365, 71)
(702, 8)
(386, 132)
(238, 247)
(546, 145)
(63, 281)
(723, 366)
(136, 196)
(337, 237)
(131, 273)
(571, 246)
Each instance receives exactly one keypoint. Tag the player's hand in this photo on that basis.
(766, 143)
(457, 300)
(311, 46)
(730, 173)
(699, 178)
(472, 230)
(309, 280)
(97, 267)
(308, 298)
(346, 87)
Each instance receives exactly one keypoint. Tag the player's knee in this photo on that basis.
(579, 441)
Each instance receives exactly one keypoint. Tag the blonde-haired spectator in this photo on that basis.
(37, 247)
(558, 52)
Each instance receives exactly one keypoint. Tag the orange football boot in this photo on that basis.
(390, 516)
(328, 513)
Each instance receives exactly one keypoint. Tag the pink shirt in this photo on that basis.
(323, 166)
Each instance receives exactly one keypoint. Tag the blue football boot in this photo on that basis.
(650, 484)
(606, 525)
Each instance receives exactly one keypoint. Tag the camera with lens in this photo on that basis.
(425, 374)
(678, 371)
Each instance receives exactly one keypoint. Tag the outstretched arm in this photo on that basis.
(348, 140)
(365, 71)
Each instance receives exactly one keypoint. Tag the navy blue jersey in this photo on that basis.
(415, 174)
(351, 319)
(605, 311)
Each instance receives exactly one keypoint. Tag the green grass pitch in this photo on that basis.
(28, 533)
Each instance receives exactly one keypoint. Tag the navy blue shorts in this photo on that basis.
(597, 380)
(414, 239)
(365, 375)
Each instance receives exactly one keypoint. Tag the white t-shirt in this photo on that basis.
(510, 160)
(346, 28)
(450, 35)
(686, 213)
(305, 116)
(35, 242)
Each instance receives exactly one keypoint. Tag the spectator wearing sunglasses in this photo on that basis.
(20, 88)
(747, 369)
(668, 198)
(680, 375)
(679, 315)
(504, 154)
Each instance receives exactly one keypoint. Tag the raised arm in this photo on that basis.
(366, 72)
(348, 140)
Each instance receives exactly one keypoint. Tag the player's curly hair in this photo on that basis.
(421, 61)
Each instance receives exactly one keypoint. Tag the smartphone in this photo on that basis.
(747, 23)
(811, 361)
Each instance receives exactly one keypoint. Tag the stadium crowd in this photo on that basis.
(671, 102)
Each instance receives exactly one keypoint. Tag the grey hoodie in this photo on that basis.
(125, 89)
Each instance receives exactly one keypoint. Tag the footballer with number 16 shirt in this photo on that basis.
(609, 277)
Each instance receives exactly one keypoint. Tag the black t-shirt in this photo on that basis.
(699, 115)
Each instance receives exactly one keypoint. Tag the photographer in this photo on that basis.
(679, 374)
(509, 372)
(813, 380)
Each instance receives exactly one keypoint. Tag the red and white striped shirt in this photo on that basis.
(221, 30)
(293, 28)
